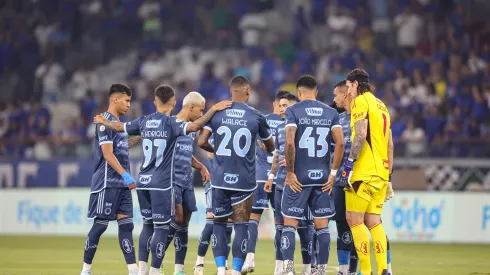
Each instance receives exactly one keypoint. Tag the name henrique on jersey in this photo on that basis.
(235, 133)
(182, 165)
(344, 120)
(264, 159)
(280, 143)
(314, 121)
(159, 134)
(104, 176)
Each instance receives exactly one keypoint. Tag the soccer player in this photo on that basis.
(159, 133)
(261, 198)
(278, 169)
(110, 197)
(205, 237)
(309, 126)
(233, 181)
(185, 200)
(366, 173)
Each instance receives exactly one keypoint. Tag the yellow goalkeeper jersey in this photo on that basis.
(373, 159)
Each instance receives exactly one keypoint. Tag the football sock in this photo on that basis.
(305, 241)
(240, 243)
(353, 260)
(98, 228)
(180, 242)
(314, 253)
(323, 235)
(219, 244)
(229, 230)
(361, 241)
(158, 245)
(380, 246)
(144, 244)
(344, 244)
(277, 242)
(174, 226)
(288, 244)
(388, 254)
(253, 230)
(205, 238)
(126, 243)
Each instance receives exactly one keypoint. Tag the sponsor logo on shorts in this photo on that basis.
(322, 210)
(244, 246)
(284, 243)
(146, 211)
(153, 123)
(296, 210)
(214, 241)
(314, 111)
(219, 209)
(107, 211)
(379, 206)
(367, 192)
(347, 237)
(126, 245)
(315, 174)
(262, 201)
(157, 216)
(231, 178)
(235, 113)
(145, 179)
(160, 250)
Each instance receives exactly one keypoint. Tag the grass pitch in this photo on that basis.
(20, 255)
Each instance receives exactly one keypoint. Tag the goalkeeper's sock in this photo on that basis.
(380, 247)
(361, 241)
(388, 254)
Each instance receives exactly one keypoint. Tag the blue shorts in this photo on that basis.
(186, 198)
(295, 205)
(157, 205)
(303, 223)
(109, 202)
(224, 200)
(261, 198)
(338, 195)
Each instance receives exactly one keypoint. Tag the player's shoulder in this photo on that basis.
(242, 110)
(109, 116)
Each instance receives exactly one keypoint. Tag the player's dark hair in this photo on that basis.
(340, 84)
(239, 81)
(120, 89)
(291, 97)
(362, 77)
(164, 93)
(280, 94)
(306, 81)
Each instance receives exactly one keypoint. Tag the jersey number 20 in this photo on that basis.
(308, 142)
(241, 152)
(160, 145)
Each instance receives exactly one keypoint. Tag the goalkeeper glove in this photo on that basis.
(347, 173)
(128, 180)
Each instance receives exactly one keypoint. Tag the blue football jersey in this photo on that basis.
(264, 159)
(183, 161)
(344, 120)
(280, 143)
(104, 176)
(235, 132)
(159, 134)
(313, 121)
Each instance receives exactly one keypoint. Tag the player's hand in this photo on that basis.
(347, 173)
(128, 180)
(205, 175)
(268, 186)
(261, 145)
(389, 192)
(282, 162)
(100, 119)
(293, 182)
(327, 186)
(225, 104)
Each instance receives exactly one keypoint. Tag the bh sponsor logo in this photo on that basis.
(153, 123)
(416, 220)
(231, 178)
(314, 111)
(235, 113)
(145, 179)
(315, 174)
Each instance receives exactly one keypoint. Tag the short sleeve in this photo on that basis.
(290, 118)
(179, 127)
(132, 128)
(208, 126)
(359, 109)
(335, 122)
(264, 129)
(103, 134)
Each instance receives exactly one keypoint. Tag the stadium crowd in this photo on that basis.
(429, 59)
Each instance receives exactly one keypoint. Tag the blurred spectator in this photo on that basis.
(409, 26)
(252, 26)
(49, 78)
(414, 139)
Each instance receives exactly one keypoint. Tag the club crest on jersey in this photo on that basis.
(231, 178)
(314, 111)
(153, 123)
(315, 174)
(235, 113)
(274, 123)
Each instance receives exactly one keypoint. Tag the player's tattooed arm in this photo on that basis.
(113, 125)
(241, 211)
(360, 127)
(199, 123)
(275, 163)
(133, 140)
(290, 152)
(203, 141)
